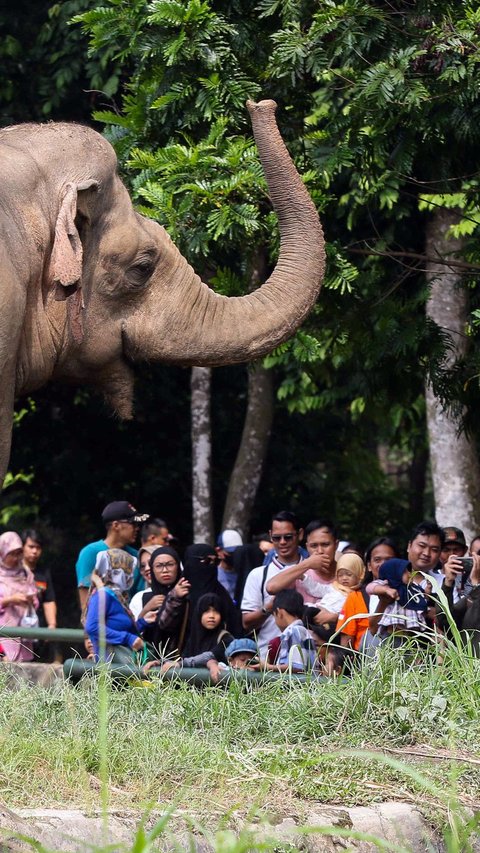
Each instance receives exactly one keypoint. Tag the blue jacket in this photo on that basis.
(120, 629)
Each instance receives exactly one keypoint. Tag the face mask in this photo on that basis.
(121, 579)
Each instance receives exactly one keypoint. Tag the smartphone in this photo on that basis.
(467, 563)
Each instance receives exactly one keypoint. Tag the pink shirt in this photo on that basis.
(312, 586)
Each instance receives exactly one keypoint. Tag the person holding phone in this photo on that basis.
(18, 595)
(455, 545)
(166, 606)
(466, 611)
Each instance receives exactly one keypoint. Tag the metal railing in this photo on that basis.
(51, 635)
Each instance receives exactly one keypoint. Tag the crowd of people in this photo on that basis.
(294, 599)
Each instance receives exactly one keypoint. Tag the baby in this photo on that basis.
(405, 614)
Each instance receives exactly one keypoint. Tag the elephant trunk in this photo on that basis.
(218, 330)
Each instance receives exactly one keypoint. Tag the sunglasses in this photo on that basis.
(286, 537)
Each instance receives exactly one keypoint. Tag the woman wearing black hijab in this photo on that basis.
(245, 558)
(200, 570)
(168, 601)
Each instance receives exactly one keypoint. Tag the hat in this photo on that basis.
(122, 511)
(229, 540)
(236, 647)
(455, 536)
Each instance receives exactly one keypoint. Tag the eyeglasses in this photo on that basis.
(287, 537)
(162, 566)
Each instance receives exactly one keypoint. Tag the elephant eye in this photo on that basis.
(139, 273)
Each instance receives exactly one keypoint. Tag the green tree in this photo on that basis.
(358, 116)
(46, 73)
(196, 64)
(357, 367)
(395, 131)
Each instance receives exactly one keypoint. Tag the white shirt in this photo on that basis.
(254, 600)
(333, 600)
(136, 604)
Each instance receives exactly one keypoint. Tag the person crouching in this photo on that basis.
(107, 610)
(297, 652)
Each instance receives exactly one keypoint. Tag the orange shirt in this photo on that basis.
(356, 628)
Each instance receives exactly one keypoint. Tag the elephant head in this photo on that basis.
(100, 287)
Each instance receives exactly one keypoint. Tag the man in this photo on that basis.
(455, 543)
(425, 547)
(47, 610)
(227, 543)
(317, 566)
(465, 612)
(423, 554)
(121, 521)
(475, 546)
(155, 532)
(32, 551)
(286, 535)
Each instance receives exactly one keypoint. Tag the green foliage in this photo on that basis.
(209, 195)
(46, 73)
(17, 509)
(191, 62)
(379, 106)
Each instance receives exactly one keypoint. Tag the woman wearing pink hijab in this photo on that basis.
(17, 595)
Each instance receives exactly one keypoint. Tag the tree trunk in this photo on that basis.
(453, 457)
(200, 385)
(417, 477)
(247, 470)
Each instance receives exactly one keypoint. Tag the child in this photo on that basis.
(208, 636)
(406, 614)
(242, 654)
(297, 652)
(349, 575)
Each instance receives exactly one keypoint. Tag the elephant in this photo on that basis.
(89, 287)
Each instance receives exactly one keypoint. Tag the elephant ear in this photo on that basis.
(65, 268)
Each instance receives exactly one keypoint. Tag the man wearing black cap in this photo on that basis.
(455, 543)
(121, 521)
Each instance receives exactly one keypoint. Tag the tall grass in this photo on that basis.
(218, 753)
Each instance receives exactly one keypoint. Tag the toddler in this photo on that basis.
(405, 614)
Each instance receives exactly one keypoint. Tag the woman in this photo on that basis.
(245, 558)
(381, 549)
(107, 609)
(144, 554)
(200, 569)
(166, 604)
(18, 596)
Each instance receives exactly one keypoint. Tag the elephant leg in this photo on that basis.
(6, 418)
(12, 310)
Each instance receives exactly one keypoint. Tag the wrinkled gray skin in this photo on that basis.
(88, 286)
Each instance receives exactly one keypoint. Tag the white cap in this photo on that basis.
(229, 540)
